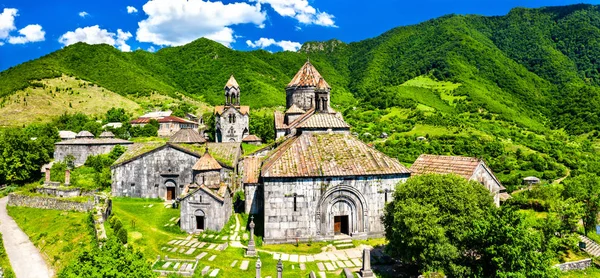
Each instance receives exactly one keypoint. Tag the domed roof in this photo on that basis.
(207, 163)
(107, 134)
(187, 136)
(84, 134)
(232, 83)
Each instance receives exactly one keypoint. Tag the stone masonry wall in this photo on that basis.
(283, 224)
(80, 152)
(216, 213)
(48, 203)
(483, 176)
(240, 126)
(578, 265)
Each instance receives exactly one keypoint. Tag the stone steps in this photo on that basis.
(592, 247)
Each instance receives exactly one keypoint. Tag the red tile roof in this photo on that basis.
(140, 121)
(232, 83)
(327, 155)
(279, 120)
(244, 110)
(307, 76)
(251, 169)
(442, 164)
(173, 119)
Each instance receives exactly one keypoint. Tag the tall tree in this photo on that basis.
(585, 188)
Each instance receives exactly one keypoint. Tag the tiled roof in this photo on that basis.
(67, 134)
(140, 121)
(251, 169)
(442, 164)
(279, 120)
(173, 119)
(232, 83)
(322, 84)
(327, 155)
(107, 134)
(307, 76)
(84, 134)
(244, 110)
(302, 118)
(219, 195)
(94, 141)
(251, 138)
(187, 136)
(207, 163)
(294, 109)
(323, 121)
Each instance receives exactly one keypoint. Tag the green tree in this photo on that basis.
(20, 156)
(585, 189)
(116, 115)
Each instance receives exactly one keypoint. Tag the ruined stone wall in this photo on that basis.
(48, 203)
(80, 152)
(578, 265)
(215, 212)
(148, 176)
(318, 200)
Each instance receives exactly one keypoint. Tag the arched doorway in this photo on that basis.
(199, 220)
(342, 210)
(171, 189)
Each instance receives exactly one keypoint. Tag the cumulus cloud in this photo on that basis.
(31, 33)
(7, 22)
(131, 10)
(151, 49)
(95, 35)
(265, 42)
(301, 10)
(83, 14)
(177, 22)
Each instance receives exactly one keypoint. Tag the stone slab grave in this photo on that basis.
(183, 243)
(356, 262)
(321, 266)
(294, 258)
(348, 273)
(276, 256)
(199, 257)
(196, 244)
(189, 244)
(212, 258)
(224, 238)
(166, 265)
(233, 264)
(188, 238)
(330, 267)
(322, 275)
(302, 267)
(176, 266)
(340, 264)
(190, 267)
(172, 242)
(348, 263)
(214, 273)
(302, 259)
(183, 267)
(205, 270)
(201, 244)
(285, 257)
(223, 246)
(212, 246)
(181, 250)
(310, 259)
(244, 265)
(191, 251)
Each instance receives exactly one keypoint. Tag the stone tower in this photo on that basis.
(231, 119)
(301, 90)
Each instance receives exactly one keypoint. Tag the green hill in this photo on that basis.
(527, 82)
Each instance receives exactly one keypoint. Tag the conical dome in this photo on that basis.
(307, 76)
(232, 83)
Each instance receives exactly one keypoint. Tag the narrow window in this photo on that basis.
(295, 204)
(132, 184)
(385, 195)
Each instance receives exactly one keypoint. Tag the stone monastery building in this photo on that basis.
(315, 183)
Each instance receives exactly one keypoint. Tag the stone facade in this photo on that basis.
(254, 202)
(306, 208)
(484, 176)
(59, 191)
(578, 265)
(155, 174)
(205, 205)
(302, 97)
(231, 125)
(48, 203)
(81, 151)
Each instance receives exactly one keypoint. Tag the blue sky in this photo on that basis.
(33, 28)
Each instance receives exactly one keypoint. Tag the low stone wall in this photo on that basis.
(59, 192)
(48, 203)
(578, 265)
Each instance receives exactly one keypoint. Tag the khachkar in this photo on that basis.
(366, 268)
(251, 251)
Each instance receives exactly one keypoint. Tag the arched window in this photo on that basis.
(233, 118)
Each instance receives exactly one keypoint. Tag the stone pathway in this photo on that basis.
(25, 259)
(591, 247)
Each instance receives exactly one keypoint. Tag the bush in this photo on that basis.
(117, 226)
(122, 235)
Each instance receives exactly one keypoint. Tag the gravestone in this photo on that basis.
(258, 265)
(279, 269)
(251, 251)
(205, 270)
(366, 271)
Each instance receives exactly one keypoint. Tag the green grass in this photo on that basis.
(4, 262)
(145, 225)
(59, 235)
(302, 248)
(250, 149)
(590, 272)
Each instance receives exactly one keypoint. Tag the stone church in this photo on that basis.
(320, 181)
(231, 119)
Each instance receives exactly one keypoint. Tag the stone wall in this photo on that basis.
(81, 151)
(149, 175)
(254, 198)
(216, 212)
(302, 97)
(319, 200)
(239, 127)
(484, 176)
(578, 265)
(48, 203)
(58, 191)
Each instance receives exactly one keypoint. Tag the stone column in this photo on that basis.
(251, 251)
(67, 177)
(366, 271)
(258, 265)
(279, 269)
(47, 180)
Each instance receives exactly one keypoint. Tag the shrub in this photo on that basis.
(122, 235)
(117, 225)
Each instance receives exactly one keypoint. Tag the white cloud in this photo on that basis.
(7, 22)
(301, 10)
(265, 42)
(95, 35)
(31, 33)
(131, 10)
(151, 49)
(177, 22)
(83, 14)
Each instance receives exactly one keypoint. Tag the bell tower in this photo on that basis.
(232, 92)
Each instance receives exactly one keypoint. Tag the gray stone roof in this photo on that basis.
(84, 134)
(187, 136)
(107, 134)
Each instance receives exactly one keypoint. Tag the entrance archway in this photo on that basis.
(199, 220)
(342, 210)
(171, 192)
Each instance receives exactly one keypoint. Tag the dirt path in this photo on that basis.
(562, 178)
(25, 259)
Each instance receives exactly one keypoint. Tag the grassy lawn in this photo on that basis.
(4, 263)
(59, 235)
(590, 272)
(145, 221)
(302, 248)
